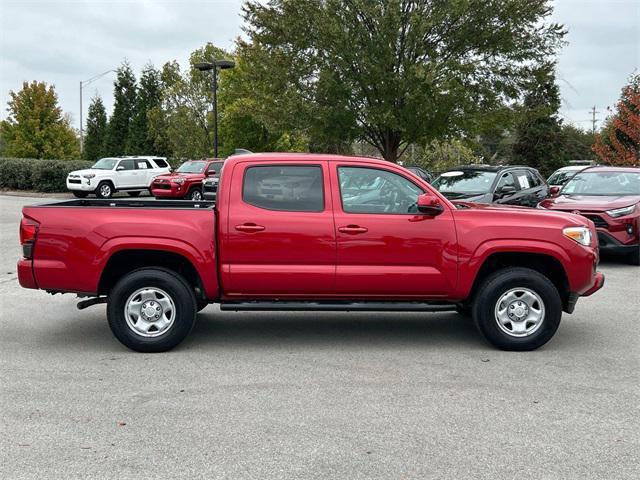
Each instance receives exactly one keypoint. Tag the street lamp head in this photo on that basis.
(223, 64)
(204, 66)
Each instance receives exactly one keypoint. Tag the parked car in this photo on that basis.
(210, 182)
(312, 232)
(562, 175)
(422, 173)
(110, 175)
(186, 181)
(511, 185)
(610, 198)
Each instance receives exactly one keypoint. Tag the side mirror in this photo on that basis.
(429, 205)
(120, 168)
(554, 191)
(211, 173)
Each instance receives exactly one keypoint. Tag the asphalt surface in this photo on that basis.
(326, 396)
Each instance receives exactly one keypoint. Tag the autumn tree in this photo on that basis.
(96, 130)
(392, 72)
(619, 142)
(36, 126)
(124, 93)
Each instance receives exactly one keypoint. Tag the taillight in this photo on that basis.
(28, 232)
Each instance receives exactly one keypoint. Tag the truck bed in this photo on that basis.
(130, 203)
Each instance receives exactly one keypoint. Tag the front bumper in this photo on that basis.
(81, 184)
(597, 284)
(168, 190)
(610, 244)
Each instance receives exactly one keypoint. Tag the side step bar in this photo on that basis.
(260, 306)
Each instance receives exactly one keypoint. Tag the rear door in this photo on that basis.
(145, 172)
(386, 248)
(279, 240)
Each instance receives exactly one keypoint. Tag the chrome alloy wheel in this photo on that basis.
(105, 190)
(149, 312)
(519, 312)
(196, 195)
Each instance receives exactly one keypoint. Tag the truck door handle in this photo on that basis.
(353, 229)
(249, 227)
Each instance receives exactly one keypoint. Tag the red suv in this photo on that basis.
(610, 198)
(186, 181)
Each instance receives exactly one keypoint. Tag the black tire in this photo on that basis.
(634, 258)
(79, 194)
(133, 194)
(499, 284)
(194, 192)
(103, 192)
(180, 293)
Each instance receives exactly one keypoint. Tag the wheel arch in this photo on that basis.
(126, 260)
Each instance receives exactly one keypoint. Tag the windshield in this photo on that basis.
(603, 183)
(105, 164)
(191, 167)
(468, 182)
(561, 177)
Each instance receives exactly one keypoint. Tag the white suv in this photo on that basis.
(109, 175)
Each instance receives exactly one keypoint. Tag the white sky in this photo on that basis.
(65, 41)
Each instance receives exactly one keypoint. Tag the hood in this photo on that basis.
(593, 203)
(169, 176)
(90, 171)
(527, 212)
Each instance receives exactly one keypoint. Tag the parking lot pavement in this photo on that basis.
(307, 395)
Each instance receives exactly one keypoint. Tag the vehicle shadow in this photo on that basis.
(236, 329)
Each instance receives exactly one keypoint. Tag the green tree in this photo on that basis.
(577, 143)
(139, 140)
(540, 142)
(439, 155)
(124, 93)
(391, 72)
(96, 130)
(36, 127)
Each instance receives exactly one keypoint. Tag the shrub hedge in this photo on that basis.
(35, 174)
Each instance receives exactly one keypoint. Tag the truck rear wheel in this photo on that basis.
(151, 310)
(517, 309)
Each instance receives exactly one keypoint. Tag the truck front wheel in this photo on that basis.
(517, 309)
(151, 310)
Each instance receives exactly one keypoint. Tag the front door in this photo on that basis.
(386, 248)
(280, 239)
(126, 174)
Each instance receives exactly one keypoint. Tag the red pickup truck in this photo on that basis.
(312, 232)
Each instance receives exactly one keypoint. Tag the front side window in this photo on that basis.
(215, 167)
(290, 188)
(371, 190)
(506, 180)
(126, 165)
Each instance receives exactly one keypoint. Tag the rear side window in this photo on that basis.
(160, 163)
(142, 164)
(285, 188)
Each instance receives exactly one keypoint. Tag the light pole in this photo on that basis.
(82, 84)
(215, 65)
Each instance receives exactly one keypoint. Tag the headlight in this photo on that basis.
(582, 235)
(621, 212)
(179, 181)
(89, 175)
